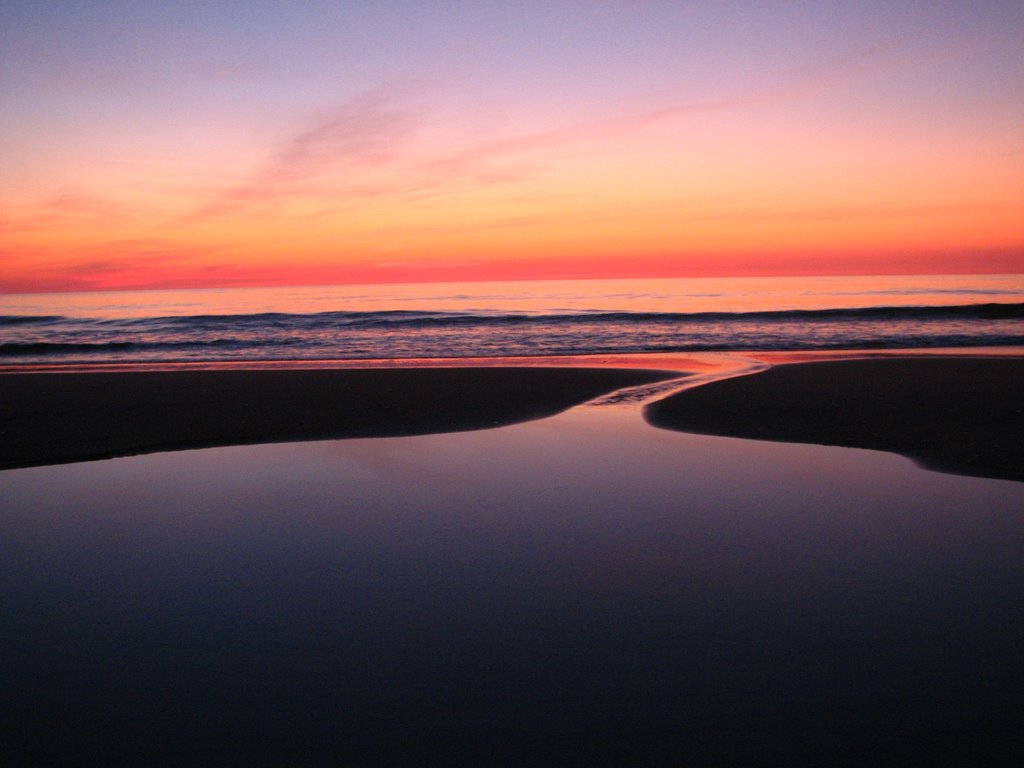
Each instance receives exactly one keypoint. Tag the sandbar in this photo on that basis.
(53, 418)
(959, 415)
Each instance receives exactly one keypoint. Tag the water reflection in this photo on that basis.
(575, 590)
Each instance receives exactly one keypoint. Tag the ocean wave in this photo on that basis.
(41, 348)
(14, 348)
(449, 347)
(419, 333)
(31, 319)
(416, 318)
(990, 311)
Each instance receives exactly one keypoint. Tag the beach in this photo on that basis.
(575, 590)
(960, 415)
(511, 384)
(51, 418)
(956, 414)
(576, 587)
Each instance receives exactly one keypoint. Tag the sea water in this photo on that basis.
(430, 320)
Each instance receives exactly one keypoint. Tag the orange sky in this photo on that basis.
(617, 140)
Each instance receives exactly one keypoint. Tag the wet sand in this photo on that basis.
(54, 418)
(958, 415)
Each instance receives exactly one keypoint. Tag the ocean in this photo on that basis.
(498, 319)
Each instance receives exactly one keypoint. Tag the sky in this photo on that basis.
(194, 144)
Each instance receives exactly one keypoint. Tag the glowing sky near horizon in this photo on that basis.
(147, 144)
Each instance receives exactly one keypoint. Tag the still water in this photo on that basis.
(580, 590)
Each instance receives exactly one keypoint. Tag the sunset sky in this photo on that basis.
(187, 144)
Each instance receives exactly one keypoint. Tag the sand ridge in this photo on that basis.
(960, 415)
(51, 418)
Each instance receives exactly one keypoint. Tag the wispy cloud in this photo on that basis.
(363, 131)
(103, 264)
(366, 131)
(360, 150)
(871, 212)
(815, 79)
(66, 205)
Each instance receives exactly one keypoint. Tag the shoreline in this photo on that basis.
(683, 361)
(931, 405)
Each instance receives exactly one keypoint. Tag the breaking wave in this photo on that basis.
(417, 333)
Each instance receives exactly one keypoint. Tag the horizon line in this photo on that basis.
(592, 278)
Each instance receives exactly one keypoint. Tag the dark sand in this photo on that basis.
(959, 415)
(51, 418)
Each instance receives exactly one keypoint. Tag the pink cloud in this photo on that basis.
(360, 149)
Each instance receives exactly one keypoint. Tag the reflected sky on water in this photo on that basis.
(574, 590)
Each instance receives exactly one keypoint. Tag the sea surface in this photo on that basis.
(576, 591)
(497, 319)
(579, 590)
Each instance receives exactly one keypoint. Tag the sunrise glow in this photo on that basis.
(147, 145)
